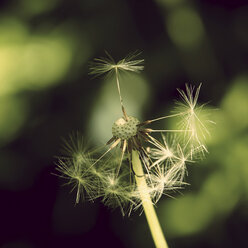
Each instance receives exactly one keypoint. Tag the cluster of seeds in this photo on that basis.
(125, 129)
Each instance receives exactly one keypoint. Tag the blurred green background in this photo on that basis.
(46, 93)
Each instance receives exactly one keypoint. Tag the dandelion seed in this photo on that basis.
(161, 152)
(192, 118)
(162, 180)
(117, 192)
(83, 181)
(106, 65)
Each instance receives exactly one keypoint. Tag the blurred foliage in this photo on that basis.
(45, 93)
(30, 61)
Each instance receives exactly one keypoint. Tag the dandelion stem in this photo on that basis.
(149, 210)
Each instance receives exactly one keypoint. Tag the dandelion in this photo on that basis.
(136, 169)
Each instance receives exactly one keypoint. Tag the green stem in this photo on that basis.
(149, 210)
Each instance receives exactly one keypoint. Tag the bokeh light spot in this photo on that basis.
(185, 28)
(185, 216)
(45, 61)
(31, 61)
(235, 103)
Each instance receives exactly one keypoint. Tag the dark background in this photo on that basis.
(46, 93)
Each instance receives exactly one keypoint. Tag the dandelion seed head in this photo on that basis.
(125, 129)
(113, 175)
